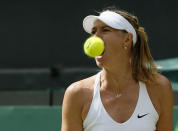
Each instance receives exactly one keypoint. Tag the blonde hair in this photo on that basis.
(143, 66)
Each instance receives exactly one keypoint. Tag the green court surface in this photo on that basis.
(40, 118)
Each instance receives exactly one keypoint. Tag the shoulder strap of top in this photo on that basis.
(97, 83)
(145, 98)
(94, 104)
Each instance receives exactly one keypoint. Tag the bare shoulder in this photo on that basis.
(160, 92)
(75, 97)
(80, 90)
(165, 93)
(163, 84)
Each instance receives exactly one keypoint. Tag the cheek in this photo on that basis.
(113, 45)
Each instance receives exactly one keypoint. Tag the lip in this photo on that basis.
(101, 57)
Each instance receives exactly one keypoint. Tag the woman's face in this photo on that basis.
(114, 42)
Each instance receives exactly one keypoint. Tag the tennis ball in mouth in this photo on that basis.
(94, 46)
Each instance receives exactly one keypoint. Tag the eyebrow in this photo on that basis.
(104, 26)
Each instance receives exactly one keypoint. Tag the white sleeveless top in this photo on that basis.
(144, 117)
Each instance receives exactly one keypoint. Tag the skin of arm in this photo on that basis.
(165, 122)
(72, 108)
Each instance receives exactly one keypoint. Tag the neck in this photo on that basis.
(117, 78)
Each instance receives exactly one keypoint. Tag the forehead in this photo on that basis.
(99, 23)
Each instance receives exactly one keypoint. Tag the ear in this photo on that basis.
(128, 40)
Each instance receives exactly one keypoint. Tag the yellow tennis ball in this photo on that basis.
(94, 46)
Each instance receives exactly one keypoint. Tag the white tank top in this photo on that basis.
(144, 117)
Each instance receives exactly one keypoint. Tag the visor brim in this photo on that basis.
(88, 23)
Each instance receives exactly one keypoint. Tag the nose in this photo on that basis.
(98, 34)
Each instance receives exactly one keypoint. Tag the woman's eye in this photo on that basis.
(93, 32)
(105, 30)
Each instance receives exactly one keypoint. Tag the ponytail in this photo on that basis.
(143, 66)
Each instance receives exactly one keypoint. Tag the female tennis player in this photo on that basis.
(128, 94)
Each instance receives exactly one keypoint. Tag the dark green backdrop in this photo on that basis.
(47, 33)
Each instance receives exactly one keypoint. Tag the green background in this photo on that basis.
(37, 118)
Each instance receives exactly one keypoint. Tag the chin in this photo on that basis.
(100, 64)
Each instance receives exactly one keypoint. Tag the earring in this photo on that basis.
(125, 47)
(130, 61)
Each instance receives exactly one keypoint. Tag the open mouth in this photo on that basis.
(102, 53)
(101, 56)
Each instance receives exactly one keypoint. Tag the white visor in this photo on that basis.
(111, 19)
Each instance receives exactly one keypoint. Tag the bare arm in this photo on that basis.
(165, 122)
(71, 109)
